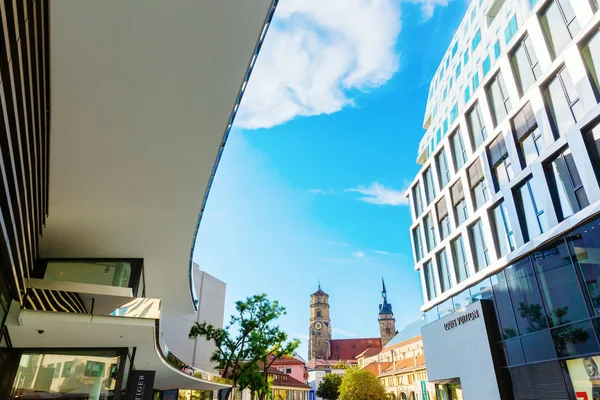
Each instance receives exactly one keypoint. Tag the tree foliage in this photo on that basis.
(360, 384)
(249, 344)
(329, 388)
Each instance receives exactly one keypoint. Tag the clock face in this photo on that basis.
(318, 326)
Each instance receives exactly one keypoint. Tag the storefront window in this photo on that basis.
(525, 297)
(585, 377)
(77, 374)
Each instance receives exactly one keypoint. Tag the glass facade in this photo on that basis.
(430, 236)
(417, 200)
(430, 280)
(443, 271)
(429, 186)
(527, 134)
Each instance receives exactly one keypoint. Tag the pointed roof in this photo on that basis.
(319, 291)
(385, 307)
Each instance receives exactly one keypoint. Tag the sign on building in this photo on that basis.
(141, 385)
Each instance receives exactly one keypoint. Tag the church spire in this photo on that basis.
(385, 307)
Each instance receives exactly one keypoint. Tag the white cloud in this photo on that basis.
(428, 6)
(315, 53)
(381, 195)
(342, 332)
(322, 191)
(358, 254)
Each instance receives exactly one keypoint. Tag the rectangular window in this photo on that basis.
(430, 236)
(478, 184)
(475, 81)
(531, 213)
(592, 141)
(487, 65)
(476, 40)
(479, 247)
(66, 372)
(567, 190)
(511, 29)
(429, 185)
(443, 271)
(499, 99)
(563, 102)
(503, 232)
(458, 203)
(443, 219)
(447, 62)
(418, 243)
(528, 135)
(443, 168)
(461, 265)
(457, 71)
(591, 56)
(417, 199)
(497, 50)
(560, 25)
(525, 65)
(454, 49)
(467, 94)
(430, 285)
(476, 126)
(500, 162)
(459, 152)
(466, 57)
(453, 113)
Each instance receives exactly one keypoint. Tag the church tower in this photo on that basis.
(387, 322)
(319, 333)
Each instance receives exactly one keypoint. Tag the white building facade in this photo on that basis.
(505, 207)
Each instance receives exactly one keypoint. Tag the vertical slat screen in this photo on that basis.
(24, 136)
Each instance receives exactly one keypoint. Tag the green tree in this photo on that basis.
(329, 388)
(360, 384)
(249, 344)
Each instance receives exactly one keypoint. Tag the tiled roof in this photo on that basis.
(288, 361)
(350, 349)
(407, 364)
(376, 367)
(371, 351)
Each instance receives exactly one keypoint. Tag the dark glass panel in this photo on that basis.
(525, 297)
(575, 339)
(514, 352)
(584, 244)
(538, 347)
(508, 325)
(561, 294)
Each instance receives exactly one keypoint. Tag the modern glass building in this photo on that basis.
(506, 210)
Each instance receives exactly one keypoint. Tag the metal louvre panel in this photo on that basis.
(524, 121)
(441, 208)
(497, 150)
(475, 173)
(542, 381)
(54, 300)
(458, 193)
(24, 134)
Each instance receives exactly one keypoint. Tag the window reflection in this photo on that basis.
(558, 285)
(525, 298)
(507, 323)
(584, 245)
(575, 339)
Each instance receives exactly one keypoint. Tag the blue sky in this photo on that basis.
(311, 182)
